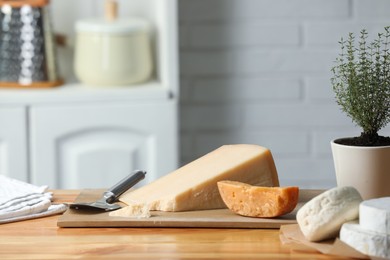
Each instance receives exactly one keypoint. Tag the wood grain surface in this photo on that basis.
(42, 239)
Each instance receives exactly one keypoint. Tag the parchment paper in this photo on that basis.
(292, 236)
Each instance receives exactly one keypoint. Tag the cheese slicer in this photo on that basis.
(106, 202)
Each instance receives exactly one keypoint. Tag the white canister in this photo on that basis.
(109, 53)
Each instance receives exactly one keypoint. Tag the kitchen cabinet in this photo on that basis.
(96, 144)
(13, 142)
(78, 136)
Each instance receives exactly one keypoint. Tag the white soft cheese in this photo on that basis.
(321, 217)
(375, 215)
(365, 241)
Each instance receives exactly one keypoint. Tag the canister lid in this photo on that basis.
(117, 26)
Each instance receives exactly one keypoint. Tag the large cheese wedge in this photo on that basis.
(322, 217)
(374, 215)
(368, 242)
(194, 186)
(256, 201)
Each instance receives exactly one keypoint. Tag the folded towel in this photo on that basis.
(52, 210)
(11, 189)
(20, 201)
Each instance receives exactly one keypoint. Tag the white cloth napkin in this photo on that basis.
(20, 200)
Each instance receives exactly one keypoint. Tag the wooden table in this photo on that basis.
(42, 239)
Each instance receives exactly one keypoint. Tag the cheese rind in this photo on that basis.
(194, 186)
(365, 241)
(255, 201)
(374, 215)
(322, 217)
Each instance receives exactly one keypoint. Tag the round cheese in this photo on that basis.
(375, 215)
(367, 242)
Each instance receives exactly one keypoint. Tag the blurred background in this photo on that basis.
(249, 71)
(258, 71)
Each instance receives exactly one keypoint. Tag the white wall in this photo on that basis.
(257, 71)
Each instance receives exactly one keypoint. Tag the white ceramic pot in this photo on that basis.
(114, 52)
(365, 168)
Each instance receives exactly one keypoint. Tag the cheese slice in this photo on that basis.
(322, 217)
(256, 201)
(368, 242)
(194, 186)
(374, 215)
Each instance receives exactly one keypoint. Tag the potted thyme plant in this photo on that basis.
(361, 83)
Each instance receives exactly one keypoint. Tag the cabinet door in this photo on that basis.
(13, 145)
(94, 146)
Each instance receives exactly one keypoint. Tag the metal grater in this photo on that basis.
(26, 45)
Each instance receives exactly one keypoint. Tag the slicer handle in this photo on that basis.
(118, 189)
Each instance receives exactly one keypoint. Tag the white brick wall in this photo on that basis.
(257, 71)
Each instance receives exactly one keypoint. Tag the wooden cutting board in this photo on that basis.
(218, 218)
